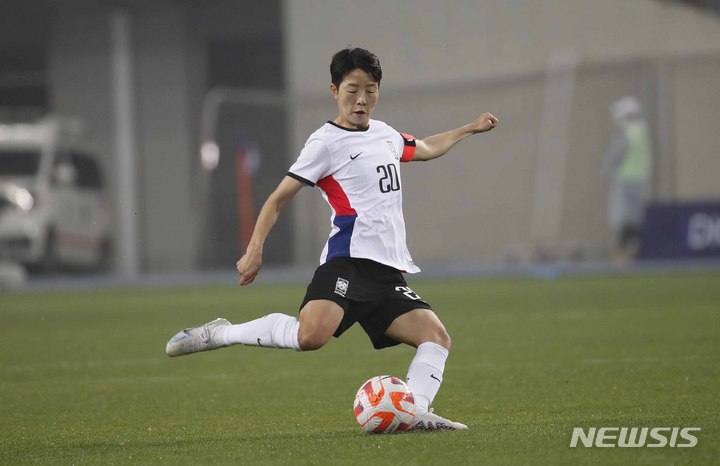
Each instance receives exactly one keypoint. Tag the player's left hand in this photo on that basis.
(483, 123)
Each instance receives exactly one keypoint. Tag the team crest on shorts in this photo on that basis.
(341, 286)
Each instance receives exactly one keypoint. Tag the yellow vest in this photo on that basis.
(637, 163)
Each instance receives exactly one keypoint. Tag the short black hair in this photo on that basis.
(351, 58)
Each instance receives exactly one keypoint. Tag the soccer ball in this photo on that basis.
(384, 404)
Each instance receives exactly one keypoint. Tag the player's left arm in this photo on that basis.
(438, 145)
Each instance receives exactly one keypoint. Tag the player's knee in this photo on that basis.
(443, 339)
(439, 336)
(310, 341)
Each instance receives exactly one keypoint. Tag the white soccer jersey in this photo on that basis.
(358, 173)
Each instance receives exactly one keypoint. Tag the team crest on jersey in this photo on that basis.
(393, 150)
(341, 286)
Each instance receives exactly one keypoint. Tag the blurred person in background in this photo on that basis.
(629, 173)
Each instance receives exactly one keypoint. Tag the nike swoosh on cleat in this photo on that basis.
(205, 337)
(260, 343)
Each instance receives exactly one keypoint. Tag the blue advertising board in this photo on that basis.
(687, 230)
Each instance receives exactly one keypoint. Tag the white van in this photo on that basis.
(53, 209)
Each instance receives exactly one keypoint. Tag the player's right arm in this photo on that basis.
(249, 264)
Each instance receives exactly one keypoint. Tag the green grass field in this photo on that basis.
(84, 378)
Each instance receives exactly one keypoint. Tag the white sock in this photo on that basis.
(271, 331)
(425, 374)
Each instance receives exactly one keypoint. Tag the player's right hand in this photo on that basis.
(248, 267)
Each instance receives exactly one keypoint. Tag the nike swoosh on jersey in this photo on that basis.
(353, 157)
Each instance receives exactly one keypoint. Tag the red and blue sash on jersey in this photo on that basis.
(345, 215)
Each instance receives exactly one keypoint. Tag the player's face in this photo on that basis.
(356, 98)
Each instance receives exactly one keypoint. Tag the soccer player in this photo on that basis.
(355, 162)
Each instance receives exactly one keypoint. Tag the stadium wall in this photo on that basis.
(179, 52)
(164, 121)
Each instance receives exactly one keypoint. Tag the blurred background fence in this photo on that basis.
(247, 82)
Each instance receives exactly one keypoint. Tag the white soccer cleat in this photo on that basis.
(431, 421)
(196, 339)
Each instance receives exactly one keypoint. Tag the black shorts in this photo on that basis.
(370, 293)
